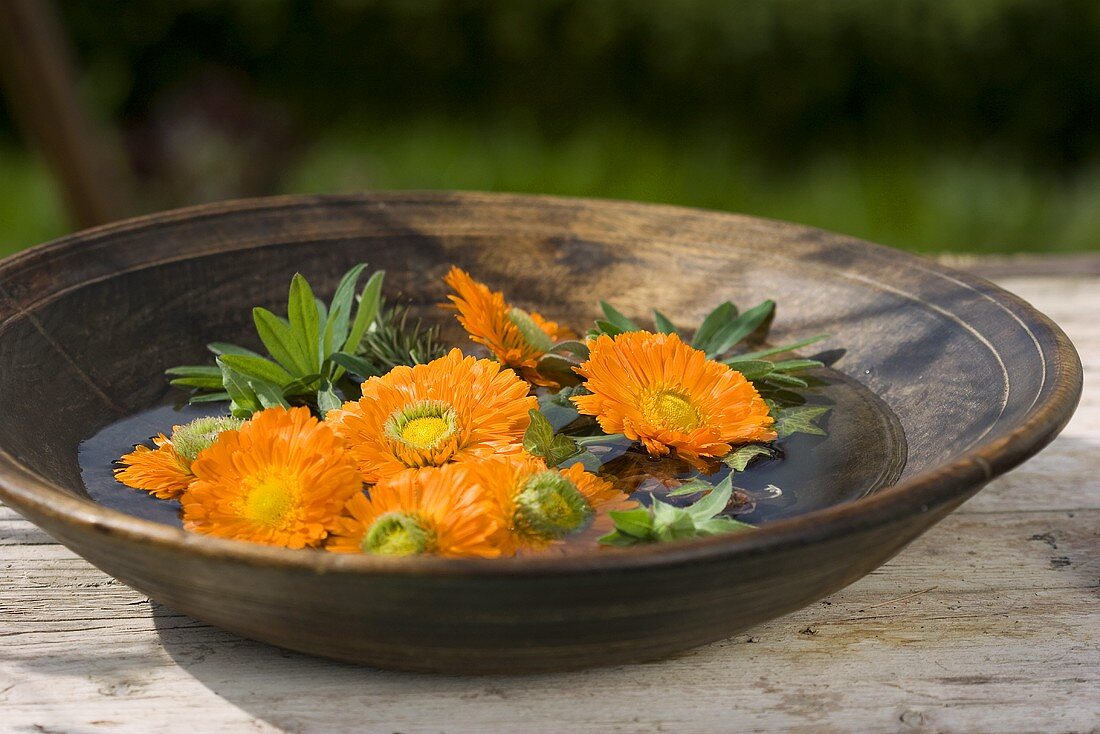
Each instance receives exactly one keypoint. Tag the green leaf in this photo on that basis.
(637, 522)
(204, 370)
(782, 380)
(270, 396)
(671, 523)
(664, 326)
(800, 419)
(752, 369)
(760, 354)
(558, 368)
(220, 348)
(370, 301)
(713, 503)
(739, 328)
(281, 342)
(539, 439)
(714, 321)
(258, 367)
(302, 386)
(621, 322)
(213, 397)
(585, 458)
(739, 458)
(692, 486)
(796, 365)
(304, 321)
(558, 409)
(245, 400)
(201, 383)
(327, 399)
(577, 348)
(354, 364)
(339, 313)
(606, 327)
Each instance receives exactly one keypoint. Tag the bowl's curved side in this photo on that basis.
(85, 322)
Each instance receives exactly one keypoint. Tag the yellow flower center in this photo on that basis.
(671, 409)
(398, 534)
(423, 432)
(422, 426)
(273, 499)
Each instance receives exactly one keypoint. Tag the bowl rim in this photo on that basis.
(21, 487)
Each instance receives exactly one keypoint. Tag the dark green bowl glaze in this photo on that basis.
(978, 380)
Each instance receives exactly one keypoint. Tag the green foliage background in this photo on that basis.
(967, 125)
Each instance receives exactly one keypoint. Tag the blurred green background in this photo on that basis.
(961, 125)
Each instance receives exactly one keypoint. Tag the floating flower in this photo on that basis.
(165, 472)
(655, 389)
(449, 410)
(282, 479)
(539, 506)
(516, 337)
(162, 471)
(427, 512)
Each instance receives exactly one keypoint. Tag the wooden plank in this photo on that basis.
(987, 623)
(970, 625)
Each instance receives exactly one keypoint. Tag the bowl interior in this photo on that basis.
(936, 364)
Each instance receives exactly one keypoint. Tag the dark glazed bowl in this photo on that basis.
(979, 380)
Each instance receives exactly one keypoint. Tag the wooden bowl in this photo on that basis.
(978, 380)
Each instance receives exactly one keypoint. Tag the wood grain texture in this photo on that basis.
(989, 622)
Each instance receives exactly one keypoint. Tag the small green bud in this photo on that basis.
(397, 534)
(190, 439)
(550, 506)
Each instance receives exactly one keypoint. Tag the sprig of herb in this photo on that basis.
(392, 341)
(662, 522)
(309, 353)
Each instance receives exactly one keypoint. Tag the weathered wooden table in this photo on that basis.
(990, 622)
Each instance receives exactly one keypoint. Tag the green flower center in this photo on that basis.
(397, 534)
(422, 426)
(671, 409)
(550, 506)
(189, 440)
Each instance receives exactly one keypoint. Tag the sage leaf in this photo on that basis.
(714, 321)
(327, 399)
(761, 353)
(258, 367)
(281, 342)
(370, 301)
(305, 320)
(664, 326)
(614, 317)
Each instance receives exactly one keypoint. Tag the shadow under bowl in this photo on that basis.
(976, 380)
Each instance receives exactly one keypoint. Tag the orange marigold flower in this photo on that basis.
(282, 479)
(541, 507)
(655, 389)
(516, 337)
(429, 511)
(162, 471)
(451, 409)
